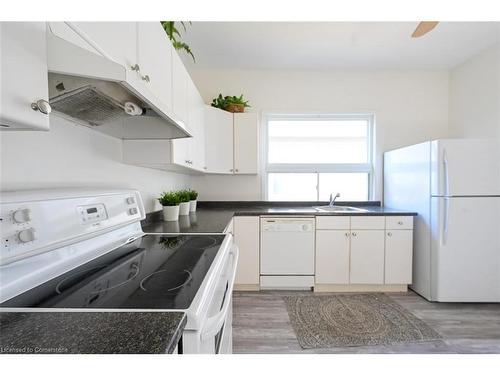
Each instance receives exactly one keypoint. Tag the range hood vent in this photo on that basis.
(90, 105)
(93, 90)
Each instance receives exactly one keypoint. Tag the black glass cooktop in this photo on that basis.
(153, 272)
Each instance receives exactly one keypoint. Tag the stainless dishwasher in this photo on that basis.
(287, 252)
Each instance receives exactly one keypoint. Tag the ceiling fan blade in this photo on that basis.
(423, 28)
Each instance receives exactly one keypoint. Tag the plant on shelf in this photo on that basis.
(170, 202)
(193, 196)
(234, 104)
(174, 36)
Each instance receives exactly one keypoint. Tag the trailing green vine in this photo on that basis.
(174, 36)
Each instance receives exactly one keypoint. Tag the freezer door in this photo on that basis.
(465, 167)
(465, 249)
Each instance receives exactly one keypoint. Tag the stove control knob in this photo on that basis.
(130, 200)
(22, 215)
(27, 235)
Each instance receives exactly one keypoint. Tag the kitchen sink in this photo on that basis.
(339, 209)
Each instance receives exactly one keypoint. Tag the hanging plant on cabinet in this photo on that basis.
(174, 35)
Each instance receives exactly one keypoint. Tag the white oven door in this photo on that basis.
(216, 333)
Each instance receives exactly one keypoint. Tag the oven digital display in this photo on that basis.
(92, 210)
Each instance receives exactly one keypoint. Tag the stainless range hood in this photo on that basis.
(89, 88)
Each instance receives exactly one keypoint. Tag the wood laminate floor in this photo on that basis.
(261, 325)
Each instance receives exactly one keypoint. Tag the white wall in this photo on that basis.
(410, 107)
(71, 155)
(475, 96)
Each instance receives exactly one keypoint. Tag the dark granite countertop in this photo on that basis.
(204, 220)
(90, 332)
(213, 217)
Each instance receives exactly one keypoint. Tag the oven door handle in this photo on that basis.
(214, 323)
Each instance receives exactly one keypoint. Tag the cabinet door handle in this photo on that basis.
(389, 234)
(146, 78)
(135, 68)
(231, 170)
(236, 170)
(354, 234)
(42, 106)
(347, 234)
(400, 222)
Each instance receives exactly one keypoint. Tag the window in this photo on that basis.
(310, 156)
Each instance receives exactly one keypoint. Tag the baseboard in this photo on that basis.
(318, 288)
(287, 282)
(246, 287)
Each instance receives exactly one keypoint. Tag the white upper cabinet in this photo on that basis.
(219, 140)
(246, 143)
(180, 79)
(196, 120)
(23, 77)
(232, 145)
(190, 152)
(155, 60)
(118, 39)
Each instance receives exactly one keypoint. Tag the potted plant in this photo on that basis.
(234, 104)
(170, 203)
(184, 198)
(193, 196)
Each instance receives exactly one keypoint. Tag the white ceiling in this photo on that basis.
(335, 45)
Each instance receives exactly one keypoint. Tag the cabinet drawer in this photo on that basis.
(333, 222)
(399, 222)
(367, 222)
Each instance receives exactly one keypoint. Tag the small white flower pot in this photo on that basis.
(184, 208)
(192, 205)
(170, 213)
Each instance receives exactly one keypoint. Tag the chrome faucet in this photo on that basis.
(333, 199)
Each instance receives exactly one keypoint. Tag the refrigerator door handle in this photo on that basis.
(446, 182)
(446, 218)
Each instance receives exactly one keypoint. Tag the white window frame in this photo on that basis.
(317, 168)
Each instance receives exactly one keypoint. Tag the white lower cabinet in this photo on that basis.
(363, 253)
(332, 257)
(367, 257)
(398, 256)
(246, 237)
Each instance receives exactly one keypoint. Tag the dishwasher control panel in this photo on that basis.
(287, 225)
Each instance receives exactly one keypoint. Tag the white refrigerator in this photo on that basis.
(454, 185)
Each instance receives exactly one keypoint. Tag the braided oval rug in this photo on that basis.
(353, 320)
